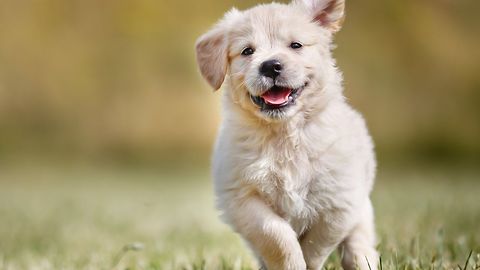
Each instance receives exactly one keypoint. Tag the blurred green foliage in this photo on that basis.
(117, 79)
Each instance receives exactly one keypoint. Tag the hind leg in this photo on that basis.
(359, 245)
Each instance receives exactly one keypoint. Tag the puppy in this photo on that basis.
(293, 163)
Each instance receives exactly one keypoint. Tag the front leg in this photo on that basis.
(322, 238)
(269, 235)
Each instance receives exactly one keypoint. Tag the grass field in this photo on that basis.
(142, 219)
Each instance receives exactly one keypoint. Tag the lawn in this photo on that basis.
(91, 218)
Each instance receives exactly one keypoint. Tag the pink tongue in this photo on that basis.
(276, 96)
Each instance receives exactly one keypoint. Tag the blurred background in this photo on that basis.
(108, 92)
(117, 81)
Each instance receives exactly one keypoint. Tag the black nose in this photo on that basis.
(271, 68)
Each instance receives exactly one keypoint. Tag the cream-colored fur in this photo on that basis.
(294, 184)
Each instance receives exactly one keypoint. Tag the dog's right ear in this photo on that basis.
(212, 56)
(212, 50)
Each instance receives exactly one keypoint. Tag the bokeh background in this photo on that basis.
(101, 92)
(117, 79)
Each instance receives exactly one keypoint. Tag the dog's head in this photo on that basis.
(276, 57)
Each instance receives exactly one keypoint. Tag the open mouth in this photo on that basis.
(277, 97)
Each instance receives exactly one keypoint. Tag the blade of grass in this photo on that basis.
(468, 259)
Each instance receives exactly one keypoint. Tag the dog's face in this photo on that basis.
(276, 57)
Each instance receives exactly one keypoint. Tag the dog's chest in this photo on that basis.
(292, 179)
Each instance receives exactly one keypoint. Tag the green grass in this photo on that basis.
(137, 219)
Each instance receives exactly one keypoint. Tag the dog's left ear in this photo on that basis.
(211, 51)
(328, 13)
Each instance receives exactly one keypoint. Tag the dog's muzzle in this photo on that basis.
(277, 97)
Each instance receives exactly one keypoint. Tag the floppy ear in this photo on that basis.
(328, 13)
(212, 56)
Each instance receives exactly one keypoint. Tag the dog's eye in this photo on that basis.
(295, 45)
(248, 51)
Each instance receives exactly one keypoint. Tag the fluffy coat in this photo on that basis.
(293, 182)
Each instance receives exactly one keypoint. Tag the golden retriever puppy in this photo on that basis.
(293, 163)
